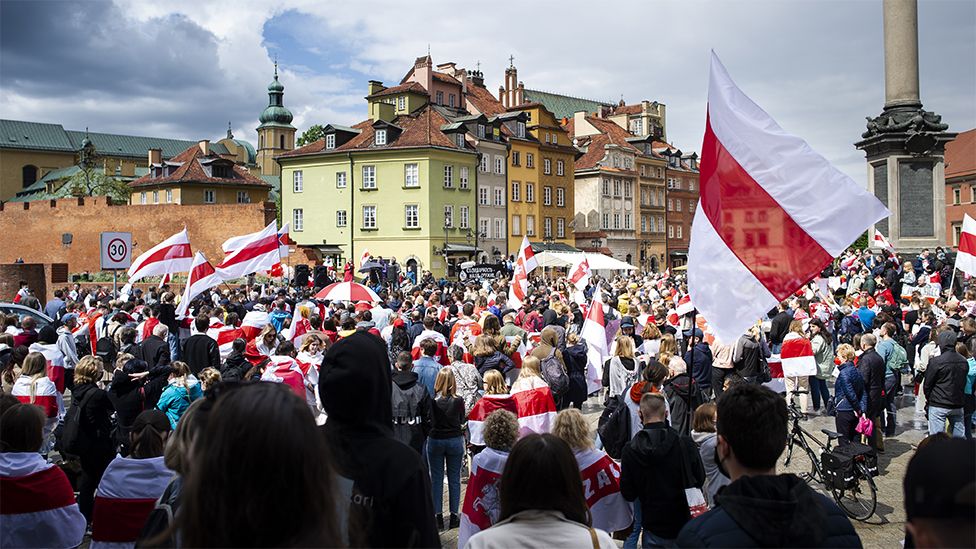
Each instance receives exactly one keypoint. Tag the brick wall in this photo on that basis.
(32, 273)
(33, 230)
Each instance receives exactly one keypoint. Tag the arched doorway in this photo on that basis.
(412, 270)
(629, 259)
(29, 175)
(654, 265)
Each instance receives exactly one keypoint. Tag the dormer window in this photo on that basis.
(481, 131)
(460, 140)
(221, 171)
(401, 103)
(381, 137)
(520, 129)
(330, 141)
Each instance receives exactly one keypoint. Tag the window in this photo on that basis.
(381, 137)
(464, 217)
(653, 224)
(677, 183)
(547, 227)
(281, 142)
(401, 103)
(555, 139)
(637, 126)
(643, 223)
(169, 196)
(499, 228)
(956, 234)
(520, 129)
(529, 160)
(483, 196)
(530, 225)
(484, 163)
(463, 184)
(243, 197)
(499, 196)
(678, 205)
(340, 180)
(560, 228)
(369, 217)
(628, 189)
(670, 205)
(516, 225)
(449, 177)
(547, 196)
(691, 184)
(515, 191)
(660, 223)
(691, 207)
(142, 198)
(956, 195)
(155, 197)
(298, 219)
(341, 218)
(547, 137)
(616, 187)
(330, 141)
(448, 216)
(643, 170)
(450, 100)
(560, 197)
(411, 216)
(972, 193)
(628, 221)
(499, 165)
(481, 131)
(515, 158)
(411, 175)
(560, 167)
(483, 226)
(670, 182)
(530, 192)
(606, 187)
(670, 231)
(546, 166)
(440, 98)
(616, 221)
(460, 140)
(209, 196)
(297, 184)
(605, 221)
(369, 177)
(679, 231)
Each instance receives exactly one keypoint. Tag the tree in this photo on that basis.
(310, 135)
(861, 242)
(90, 181)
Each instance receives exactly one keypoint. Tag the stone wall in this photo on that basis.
(33, 230)
(32, 273)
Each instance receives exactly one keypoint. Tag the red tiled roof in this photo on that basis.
(628, 109)
(483, 100)
(402, 88)
(191, 171)
(446, 78)
(960, 155)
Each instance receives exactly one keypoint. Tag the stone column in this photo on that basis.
(901, 53)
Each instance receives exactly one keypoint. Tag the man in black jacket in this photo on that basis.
(655, 468)
(779, 326)
(200, 350)
(384, 481)
(944, 386)
(761, 508)
(872, 369)
(155, 350)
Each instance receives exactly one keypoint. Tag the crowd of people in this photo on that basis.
(355, 416)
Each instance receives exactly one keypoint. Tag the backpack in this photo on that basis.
(407, 423)
(614, 426)
(106, 350)
(554, 374)
(898, 359)
(71, 441)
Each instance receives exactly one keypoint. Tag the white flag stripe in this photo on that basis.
(966, 260)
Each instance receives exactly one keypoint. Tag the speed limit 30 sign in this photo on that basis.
(116, 250)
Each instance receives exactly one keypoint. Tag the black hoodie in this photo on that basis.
(770, 511)
(385, 481)
(411, 434)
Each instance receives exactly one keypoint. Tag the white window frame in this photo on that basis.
(449, 216)
(616, 222)
(516, 194)
(209, 196)
(483, 225)
(243, 197)
(670, 231)
(169, 196)
(628, 221)
(465, 217)
(155, 197)
(298, 219)
(449, 176)
(547, 195)
(330, 141)
(530, 192)
(341, 180)
(401, 103)
(529, 160)
(547, 227)
(530, 225)
(483, 197)
(605, 221)
(520, 129)
(342, 218)
(499, 164)
(142, 198)
(560, 196)
(369, 177)
(485, 161)
(560, 228)
(547, 166)
(297, 184)
(678, 231)
(516, 225)
(499, 228)
(678, 204)
(369, 216)
(606, 186)
(460, 140)
(411, 175)
(499, 197)
(463, 178)
(481, 131)
(560, 167)
(380, 137)
(411, 216)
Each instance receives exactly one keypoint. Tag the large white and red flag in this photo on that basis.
(594, 333)
(252, 253)
(126, 495)
(253, 322)
(482, 505)
(601, 487)
(535, 409)
(796, 357)
(879, 241)
(202, 277)
(749, 164)
(579, 275)
(524, 264)
(225, 336)
(170, 256)
(364, 258)
(966, 251)
(235, 242)
(55, 362)
(38, 504)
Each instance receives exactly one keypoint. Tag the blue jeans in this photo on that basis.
(174, 346)
(819, 390)
(451, 451)
(939, 416)
(891, 387)
(632, 539)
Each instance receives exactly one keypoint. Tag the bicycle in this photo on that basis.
(858, 502)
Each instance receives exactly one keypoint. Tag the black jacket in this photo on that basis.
(872, 368)
(653, 468)
(779, 327)
(575, 359)
(385, 481)
(95, 425)
(676, 391)
(201, 351)
(497, 361)
(945, 377)
(154, 351)
(770, 511)
(414, 435)
(234, 367)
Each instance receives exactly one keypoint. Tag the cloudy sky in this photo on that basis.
(184, 68)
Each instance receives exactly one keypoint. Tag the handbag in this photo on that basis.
(864, 426)
(831, 406)
(764, 376)
(693, 494)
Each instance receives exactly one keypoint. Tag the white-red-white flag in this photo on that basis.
(253, 322)
(172, 255)
(797, 357)
(482, 505)
(879, 241)
(225, 336)
(39, 508)
(601, 487)
(126, 495)
(524, 265)
(202, 277)
(750, 164)
(300, 325)
(535, 408)
(966, 252)
(579, 275)
(594, 332)
(364, 258)
(685, 306)
(254, 252)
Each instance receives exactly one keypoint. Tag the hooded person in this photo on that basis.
(385, 482)
(47, 345)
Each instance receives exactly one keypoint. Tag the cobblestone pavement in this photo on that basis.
(884, 530)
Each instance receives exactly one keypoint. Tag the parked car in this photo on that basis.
(21, 311)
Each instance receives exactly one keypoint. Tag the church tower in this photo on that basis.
(276, 135)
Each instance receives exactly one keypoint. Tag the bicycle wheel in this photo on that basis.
(859, 501)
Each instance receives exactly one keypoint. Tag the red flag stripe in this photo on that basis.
(176, 251)
(40, 491)
(201, 271)
(967, 243)
(119, 519)
(726, 190)
(258, 248)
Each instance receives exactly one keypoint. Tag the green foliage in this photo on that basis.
(310, 135)
(861, 242)
(93, 182)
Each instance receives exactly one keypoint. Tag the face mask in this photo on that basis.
(718, 463)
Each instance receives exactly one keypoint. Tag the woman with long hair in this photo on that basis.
(399, 341)
(488, 357)
(182, 390)
(530, 377)
(445, 445)
(620, 371)
(823, 353)
(495, 383)
(469, 381)
(95, 429)
(652, 339)
(574, 356)
(225, 498)
(542, 500)
(34, 387)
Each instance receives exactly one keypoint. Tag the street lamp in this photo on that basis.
(596, 242)
(548, 241)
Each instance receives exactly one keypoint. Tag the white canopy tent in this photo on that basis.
(598, 262)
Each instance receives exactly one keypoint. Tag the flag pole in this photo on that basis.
(691, 360)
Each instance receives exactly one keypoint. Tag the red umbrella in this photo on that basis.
(347, 291)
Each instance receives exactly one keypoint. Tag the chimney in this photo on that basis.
(520, 94)
(645, 105)
(501, 95)
(155, 156)
(423, 73)
(581, 127)
(204, 145)
(374, 86)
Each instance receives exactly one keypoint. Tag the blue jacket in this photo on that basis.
(176, 399)
(770, 511)
(701, 368)
(867, 318)
(427, 368)
(849, 393)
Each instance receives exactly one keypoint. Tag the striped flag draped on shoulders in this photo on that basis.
(126, 495)
(37, 504)
(601, 487)
(535, 409)
(482, 505)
